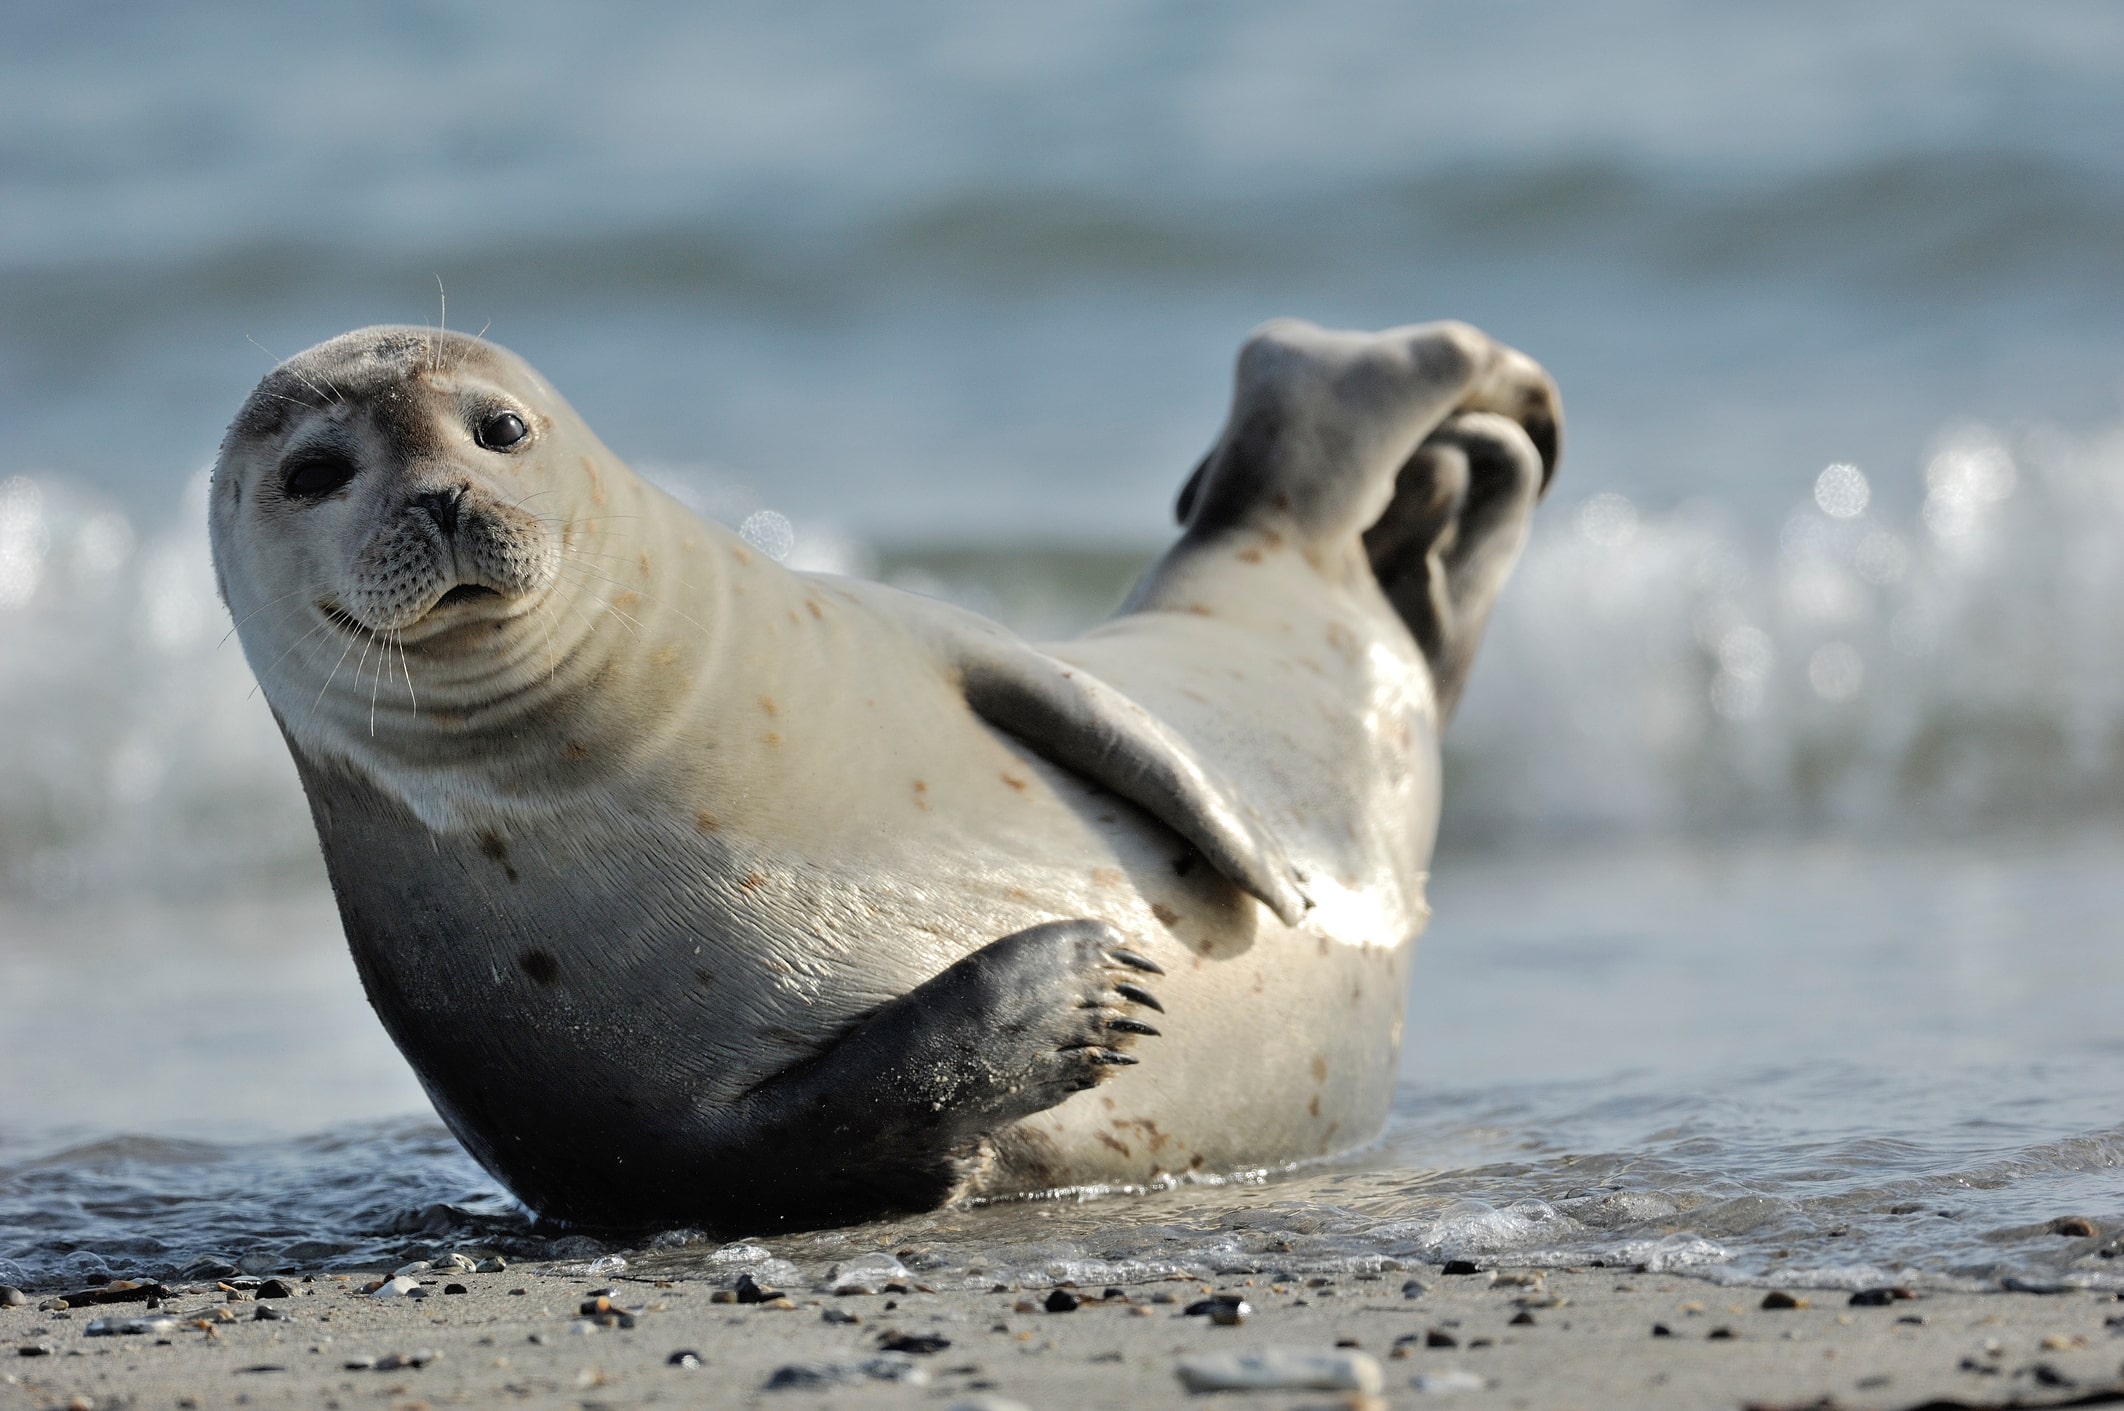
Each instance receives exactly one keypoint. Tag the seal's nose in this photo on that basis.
(441, 506)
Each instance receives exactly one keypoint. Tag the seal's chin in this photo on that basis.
(461, 605)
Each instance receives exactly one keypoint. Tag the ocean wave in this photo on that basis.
(1654, 672)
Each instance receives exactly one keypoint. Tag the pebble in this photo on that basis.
(397, 1286)
(610, 1264)
(1282, 1369)
(1450, 1379)
(34, 1349)
(462, 1263)
(1880, 1298)
(837, 1315)
(1778, 1298)
(418, 1266)
(159, 1324)
(915, 1344)
(684, 1357)
(494, 1264)
(983, 1401)
(1460, 1267)
(1414, 1289)
(12, 1297)
(2075, 1225)
(275, 1288)
(267, 1313)
(885, 1367)
(1522, 1319)
(1226, 1310)
(1439, 1337)
(455, 1288)
(1062, 1301)
(1721, 1335)
(748, 1290)
(394, 1361)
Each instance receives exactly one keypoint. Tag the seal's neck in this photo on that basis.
(502, 720)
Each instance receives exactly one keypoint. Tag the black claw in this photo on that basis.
(1107, 1055)
(1130, 958)
(1139, 995)
(1130, 1026)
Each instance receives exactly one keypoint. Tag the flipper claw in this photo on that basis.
(1130, 958)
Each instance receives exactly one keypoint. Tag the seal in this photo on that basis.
(699, 890)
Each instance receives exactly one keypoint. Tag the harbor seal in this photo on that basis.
(697, 890)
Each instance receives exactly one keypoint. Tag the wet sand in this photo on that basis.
(1568, 1338)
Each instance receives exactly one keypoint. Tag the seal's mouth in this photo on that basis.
(464, 593)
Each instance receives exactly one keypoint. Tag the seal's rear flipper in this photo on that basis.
(1447, 542)
(1431, 442)
(1086, 726)
(891, 1117)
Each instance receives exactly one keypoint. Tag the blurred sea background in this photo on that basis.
(1777, 913)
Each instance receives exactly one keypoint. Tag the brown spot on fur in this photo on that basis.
(491, 845)
(1113, 1143)
(706, 821)
(1272, 538)
(1018, 894)
(575, 749)
(1250, 555)
(1167, 917)
(752, 881)
(813, 608)
(1015, 782)
(1319, 1067)
(539, 965)
(794, 621)
(767, 704)
(706, 977)
(1194, 1163)
(771, 738)
(666, 656)
(1322, 943)
(1200, 609)
(744, 559)
(1107, 877)
(1314, 1106)
(643, 560)
(597, 482)
(627, 600)
(568, 535)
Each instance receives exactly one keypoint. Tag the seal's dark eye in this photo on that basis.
(313, 474)
(501, 430)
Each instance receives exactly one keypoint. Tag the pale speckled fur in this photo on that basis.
(737, 807)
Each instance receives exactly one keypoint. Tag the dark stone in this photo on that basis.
(1661, 1330)
(749, 1291)
(1226, 1303)
(2077, 1226)
(1879, 1298)
(1721, 1335)
(274, 1288)
(1413, 1289)
(1439, 1337)
(1062, 1301)
(684, 1357)
(1523, 1319)
(917, 1344)
(267, 1313)
(1460, 1266)
(1778, 1298)
(455, 1288)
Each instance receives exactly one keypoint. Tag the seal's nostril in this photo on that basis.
(441, 506)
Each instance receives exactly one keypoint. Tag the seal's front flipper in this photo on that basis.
(891, 1117)
(1085, 725)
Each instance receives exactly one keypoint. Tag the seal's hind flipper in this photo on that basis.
(1447, 542)
(1079, 722)
(890, 1117)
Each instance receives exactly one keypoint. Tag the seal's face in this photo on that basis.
(395, 495)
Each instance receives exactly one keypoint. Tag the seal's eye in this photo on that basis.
(502, 430)
(313, 474)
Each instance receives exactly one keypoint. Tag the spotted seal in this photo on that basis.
(700, 890)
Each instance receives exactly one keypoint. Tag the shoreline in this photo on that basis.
(1502, 1338)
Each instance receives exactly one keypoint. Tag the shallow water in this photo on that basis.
(1802, 1065)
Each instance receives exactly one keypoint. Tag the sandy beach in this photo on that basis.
(1562, 1338)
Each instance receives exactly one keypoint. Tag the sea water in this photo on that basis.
(1775, 927)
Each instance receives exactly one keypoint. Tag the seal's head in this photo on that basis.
(400, 499)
